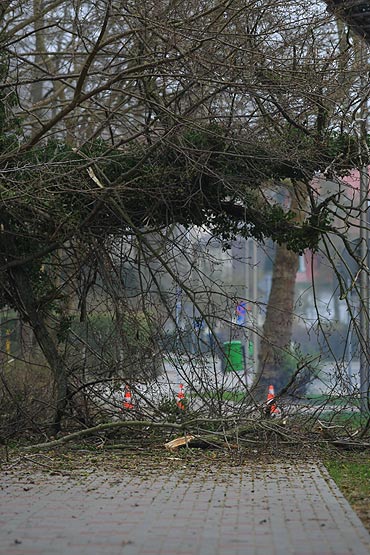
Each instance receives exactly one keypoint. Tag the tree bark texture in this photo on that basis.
(30, 311)
(277, 328)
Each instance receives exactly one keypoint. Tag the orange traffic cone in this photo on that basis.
(180, 398)
(271, 404)
(127, 402)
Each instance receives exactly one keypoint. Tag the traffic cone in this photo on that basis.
(271, 404)
(127, 402)
(181, 397)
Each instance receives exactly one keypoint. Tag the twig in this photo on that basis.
(275, 429)
(45, 465)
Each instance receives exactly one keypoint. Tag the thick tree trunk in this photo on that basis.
(29, 309)
(277, 329)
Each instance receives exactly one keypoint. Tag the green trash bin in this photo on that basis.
(234, 356)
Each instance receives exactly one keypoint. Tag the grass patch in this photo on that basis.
(349, 420)
(351, 472)
(234, 396)
(340, 401)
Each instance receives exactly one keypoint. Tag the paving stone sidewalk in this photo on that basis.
(282, 509)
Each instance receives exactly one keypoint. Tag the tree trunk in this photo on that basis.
(277, 329)
(28, 307)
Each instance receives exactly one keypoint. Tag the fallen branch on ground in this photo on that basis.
(101, 428)
(178, 442)
(184, 427)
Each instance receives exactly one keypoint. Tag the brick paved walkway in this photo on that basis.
(280, 510)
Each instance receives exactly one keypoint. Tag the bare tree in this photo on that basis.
(135, 116)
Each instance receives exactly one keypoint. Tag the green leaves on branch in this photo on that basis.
(201, 177)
